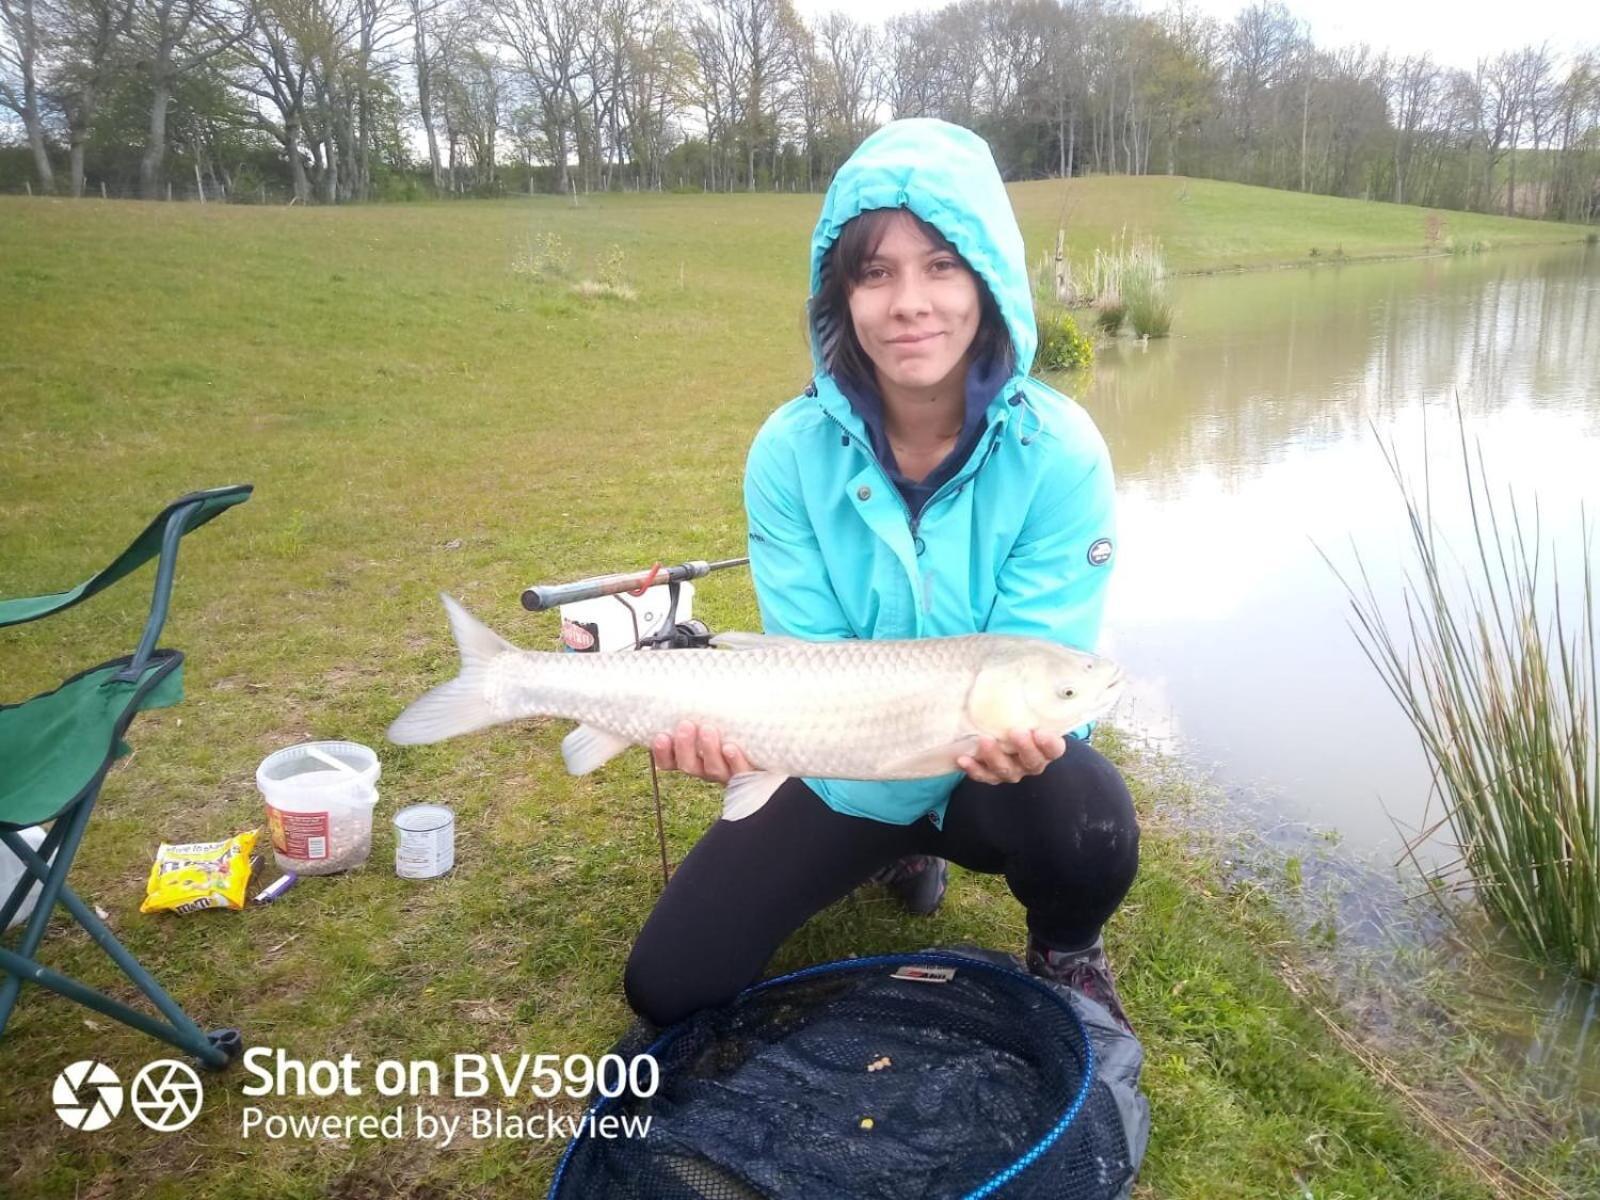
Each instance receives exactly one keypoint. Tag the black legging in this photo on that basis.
(1066, 840)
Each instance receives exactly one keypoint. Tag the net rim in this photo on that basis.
(944, 958)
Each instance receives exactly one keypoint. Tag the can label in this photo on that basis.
(424, 853)
(302, 835)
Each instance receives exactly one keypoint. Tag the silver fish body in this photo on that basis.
(851, 709)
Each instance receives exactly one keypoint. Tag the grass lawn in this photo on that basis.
(420, 414)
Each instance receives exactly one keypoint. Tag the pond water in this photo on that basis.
(1251, 439)
(1252, 442)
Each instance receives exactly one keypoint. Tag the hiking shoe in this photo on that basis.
(1086, 971)
(917, 881)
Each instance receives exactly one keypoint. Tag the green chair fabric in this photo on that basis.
(208, 504)
(55, 750)
(58, 745)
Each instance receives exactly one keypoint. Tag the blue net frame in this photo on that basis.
(962, 1078)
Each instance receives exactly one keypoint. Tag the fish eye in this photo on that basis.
(1065, 692)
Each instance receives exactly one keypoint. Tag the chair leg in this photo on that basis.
(191, 1039)
(181, 1032)
(55, 877)
(46, 850)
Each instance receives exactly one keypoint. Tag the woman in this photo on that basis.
(922, 486)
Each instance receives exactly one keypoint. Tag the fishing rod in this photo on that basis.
(545, 596)
(671, 634)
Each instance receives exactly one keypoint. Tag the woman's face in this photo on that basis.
(916, 308)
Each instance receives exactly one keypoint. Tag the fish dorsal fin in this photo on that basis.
(936, 760)
(588, 747)
(742, 640)
(748, 792)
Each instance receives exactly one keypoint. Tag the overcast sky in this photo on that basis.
(1458, 34)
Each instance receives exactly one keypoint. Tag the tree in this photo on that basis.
(22, 48)
(545, 38)
(91, 35)
(473, 87)
(272, 69)
(424, 63)
(171, 39)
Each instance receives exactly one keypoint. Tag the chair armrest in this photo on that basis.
(161, 536)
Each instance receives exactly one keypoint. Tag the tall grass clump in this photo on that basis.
(1502, 689)
(542, 257)
(1127, 283)
(1144, 290)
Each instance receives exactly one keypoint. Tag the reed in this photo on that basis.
(1127, 283)
(1499, 680)
(1144, 289)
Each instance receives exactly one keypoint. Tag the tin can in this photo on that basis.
(424, 842)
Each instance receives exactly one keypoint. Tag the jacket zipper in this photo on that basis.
(904, 507)
(913, 521)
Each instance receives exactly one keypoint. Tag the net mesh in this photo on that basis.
(851, 1080)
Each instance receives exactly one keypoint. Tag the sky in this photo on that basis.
(1457, 35)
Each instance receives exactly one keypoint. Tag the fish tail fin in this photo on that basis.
(462, 705)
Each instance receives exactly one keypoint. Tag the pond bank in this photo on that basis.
(1496, 1059)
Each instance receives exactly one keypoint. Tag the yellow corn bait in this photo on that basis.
(189, 876)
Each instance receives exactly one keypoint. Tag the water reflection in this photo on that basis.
(1244, 446)
(1252, 439)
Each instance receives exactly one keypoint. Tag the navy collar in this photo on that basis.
(983, 383)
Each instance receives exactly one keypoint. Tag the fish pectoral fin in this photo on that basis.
(748, 792)
(588, 747)
(937, 760)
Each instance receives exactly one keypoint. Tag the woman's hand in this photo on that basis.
(1008, 759)
(698, 750)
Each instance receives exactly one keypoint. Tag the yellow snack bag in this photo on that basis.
(189, 876)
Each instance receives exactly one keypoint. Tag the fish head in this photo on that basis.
(1030, 683)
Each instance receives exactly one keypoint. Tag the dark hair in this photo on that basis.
(843, 267)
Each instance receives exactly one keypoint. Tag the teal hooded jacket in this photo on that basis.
(1019, 541)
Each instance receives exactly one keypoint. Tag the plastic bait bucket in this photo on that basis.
(319, 798)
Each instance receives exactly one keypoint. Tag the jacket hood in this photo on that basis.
(946, 175)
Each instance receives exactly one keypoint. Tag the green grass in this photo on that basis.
(418, 415)
(1206, 225)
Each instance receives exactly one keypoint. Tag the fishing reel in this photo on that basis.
(669, 633)
(672, 634)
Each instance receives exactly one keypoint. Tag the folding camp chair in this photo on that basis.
(55, 750)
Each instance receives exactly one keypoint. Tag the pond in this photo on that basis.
(1247, 446)
(1251, 439)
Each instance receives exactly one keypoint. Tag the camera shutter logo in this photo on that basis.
(87, 1095)
(166, 1095)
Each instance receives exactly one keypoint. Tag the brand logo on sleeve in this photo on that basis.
(1100, 552)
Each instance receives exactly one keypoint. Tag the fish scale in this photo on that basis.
(845, 709)
(805, 708)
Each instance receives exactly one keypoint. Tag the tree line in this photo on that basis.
(349, 100)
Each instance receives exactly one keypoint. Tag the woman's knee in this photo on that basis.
(654, 984)
(1083, 814)
(664, 984)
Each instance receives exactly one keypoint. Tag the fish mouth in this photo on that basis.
(1111, 689)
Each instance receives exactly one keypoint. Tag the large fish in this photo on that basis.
(850, 709)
